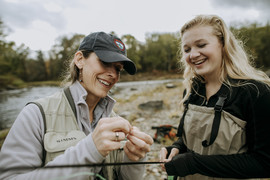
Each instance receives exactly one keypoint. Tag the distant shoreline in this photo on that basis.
(18, 84)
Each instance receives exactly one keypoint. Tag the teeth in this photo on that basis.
(104, 82)
(199, 62)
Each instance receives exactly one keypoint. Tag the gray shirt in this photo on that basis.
(23, 146)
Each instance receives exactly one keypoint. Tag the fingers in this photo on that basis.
(141, 135)
(107, 146)
(118, 136)
(132, 152)
(108, 134)
(163, 154)
(138, 144)
(115, 124)
(174, 152)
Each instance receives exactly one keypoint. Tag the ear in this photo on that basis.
(79, 59)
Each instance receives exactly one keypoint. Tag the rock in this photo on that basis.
(139, 120)
(152, 105)
(150, 177)
(125, 114)
(170, 85)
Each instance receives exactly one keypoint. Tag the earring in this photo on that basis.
(80, 76)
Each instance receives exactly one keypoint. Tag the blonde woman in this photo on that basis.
(224, 127)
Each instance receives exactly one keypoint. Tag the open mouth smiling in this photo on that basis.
(104, 82)
(198, 62)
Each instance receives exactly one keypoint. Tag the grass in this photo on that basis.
(3, 134)
(44, 83)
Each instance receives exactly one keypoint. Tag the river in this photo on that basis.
(12, 101)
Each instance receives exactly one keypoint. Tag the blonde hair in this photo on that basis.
(236, 63)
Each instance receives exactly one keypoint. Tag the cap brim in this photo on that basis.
(110, 56)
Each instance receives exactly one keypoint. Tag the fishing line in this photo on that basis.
(16, 168)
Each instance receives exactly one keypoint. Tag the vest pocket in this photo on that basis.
(59, 141)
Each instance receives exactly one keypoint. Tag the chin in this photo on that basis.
(201, 73)
(103, 95)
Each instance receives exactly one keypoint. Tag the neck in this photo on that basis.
(92, 103)
(212, 86)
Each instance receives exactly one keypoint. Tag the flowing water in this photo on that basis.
(12, 101)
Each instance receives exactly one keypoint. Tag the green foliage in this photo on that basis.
(133, 49)
(157, 54)
(61, 53)
(257, 42)
(160, 52)
(10, 82)
(3, 135)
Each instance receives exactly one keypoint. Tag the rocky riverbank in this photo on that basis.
(147, 106)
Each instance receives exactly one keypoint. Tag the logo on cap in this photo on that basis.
(119, 44)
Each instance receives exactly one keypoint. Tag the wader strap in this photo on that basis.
(70, 100)
(215, 127)
(181, 125)
(45, 127)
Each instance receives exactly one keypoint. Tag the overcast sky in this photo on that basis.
(38, 23)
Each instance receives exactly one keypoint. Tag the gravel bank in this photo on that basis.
(130, 96)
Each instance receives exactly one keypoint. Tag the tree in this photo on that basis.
(18, 60)
(4, 65)
(256, 41)
(36, 69)
(61, 53)
(160, 52)
(133, 49)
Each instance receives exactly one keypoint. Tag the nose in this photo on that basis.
(112, 72)
(194, 54)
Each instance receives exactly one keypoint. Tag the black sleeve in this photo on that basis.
(222, 166)
(255, 163)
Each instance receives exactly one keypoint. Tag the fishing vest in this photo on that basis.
(62, 130)
(210, 131)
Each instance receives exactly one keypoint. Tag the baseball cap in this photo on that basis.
(109, 48)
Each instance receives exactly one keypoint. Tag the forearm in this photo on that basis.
(223, 166)
(77, 155)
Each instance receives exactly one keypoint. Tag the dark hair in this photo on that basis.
(72, 72)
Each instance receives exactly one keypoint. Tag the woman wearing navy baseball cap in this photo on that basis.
(77, 126)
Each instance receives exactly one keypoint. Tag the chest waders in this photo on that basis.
(211, 131)
(61, 131)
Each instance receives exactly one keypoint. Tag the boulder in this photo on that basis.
(152, 105)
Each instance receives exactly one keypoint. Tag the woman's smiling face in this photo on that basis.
(202, 51)
(98, 76)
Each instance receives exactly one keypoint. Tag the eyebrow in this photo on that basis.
(197, 41)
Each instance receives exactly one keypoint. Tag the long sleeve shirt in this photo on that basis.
(23, 146)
